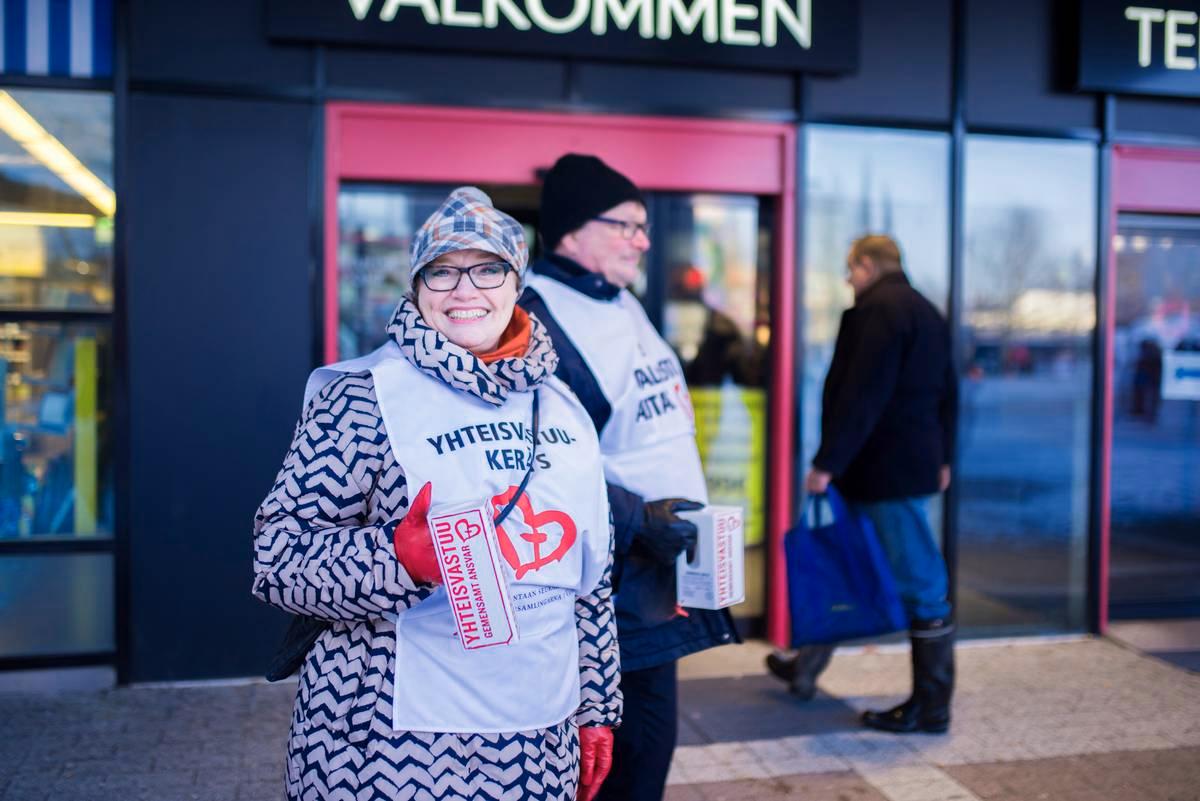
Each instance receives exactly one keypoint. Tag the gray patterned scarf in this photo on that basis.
(431, 352)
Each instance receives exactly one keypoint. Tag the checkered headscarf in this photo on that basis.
(467, 220)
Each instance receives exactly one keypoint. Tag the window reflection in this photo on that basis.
(56, 604)
(55, 468)
(863, 181)
(715, 249)
(375, 230)
(1155, 486)
(56, 199)
(1024, 428)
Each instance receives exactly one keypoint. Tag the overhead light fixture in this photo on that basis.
(29, 134)
(47, 219)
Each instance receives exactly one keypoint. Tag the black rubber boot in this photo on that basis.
(928, 710)
(801, 669)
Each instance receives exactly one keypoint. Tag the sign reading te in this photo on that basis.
(1140, 49)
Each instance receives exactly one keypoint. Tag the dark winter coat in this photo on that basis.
(889, 409)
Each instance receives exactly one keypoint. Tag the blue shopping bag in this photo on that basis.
(839, 584)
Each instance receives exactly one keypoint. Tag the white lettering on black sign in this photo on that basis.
(1140, 49)
(791, 35)
(721, 21)
(1179, 30)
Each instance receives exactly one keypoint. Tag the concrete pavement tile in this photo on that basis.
(806, 766)
(729, 753)
(1046, 749)
(885, 758)
(678, 774)
(1145, 742)
(1002, 752)
(840, 786)
(260, 791)
(771, 750)
(916, 783)
(685, 792)
(708, 774)
(798, 755)
(211, 756)
(13, 751)
(1121, 776)
(953, 757)
(821, 745)
(25, 787)
(757, 708)
(688, 755)
(258, 751)
(856, 744)
(874, 750)
(1184, 739)
(835, 785)
(103, 787)
(689, 734)
(720, 772)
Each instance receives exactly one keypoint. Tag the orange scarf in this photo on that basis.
(514, 341)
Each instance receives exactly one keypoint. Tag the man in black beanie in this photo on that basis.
(594, 230)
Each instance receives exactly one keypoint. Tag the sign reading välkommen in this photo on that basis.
(793, 35)
(1140, 48)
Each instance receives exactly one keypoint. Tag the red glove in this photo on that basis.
(595, 759)
(413, 545)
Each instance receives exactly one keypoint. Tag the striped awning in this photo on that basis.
(65, 38)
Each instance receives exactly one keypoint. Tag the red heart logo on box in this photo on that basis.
(536, 536)
(465, 529)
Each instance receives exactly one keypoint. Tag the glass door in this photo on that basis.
(1155, 495)
(705, 286)
(708, 283)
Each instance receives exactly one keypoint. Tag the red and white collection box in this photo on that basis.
(470, 560)
(715, 576)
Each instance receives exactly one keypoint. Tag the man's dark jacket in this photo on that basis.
(890, 403)
(650, 631)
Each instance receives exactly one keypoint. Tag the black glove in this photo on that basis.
(664, 534)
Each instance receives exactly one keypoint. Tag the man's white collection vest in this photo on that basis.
(557, 538)
(649, 442)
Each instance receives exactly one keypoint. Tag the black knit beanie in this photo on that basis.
(576, 189)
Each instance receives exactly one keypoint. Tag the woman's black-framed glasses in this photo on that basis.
(444, 278)
(628, 229)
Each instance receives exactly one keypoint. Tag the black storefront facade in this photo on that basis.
(269, 160)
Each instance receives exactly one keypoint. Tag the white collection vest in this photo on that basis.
(649, 442)
(557, 538)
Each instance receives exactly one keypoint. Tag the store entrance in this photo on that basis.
(705, 285)
(720, 199)
(1155, 497)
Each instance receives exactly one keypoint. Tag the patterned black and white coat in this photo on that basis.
(323, 548)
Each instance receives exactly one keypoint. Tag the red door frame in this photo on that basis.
(1151, 181)
(441, 145)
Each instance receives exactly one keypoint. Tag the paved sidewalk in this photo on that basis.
(1086, 720)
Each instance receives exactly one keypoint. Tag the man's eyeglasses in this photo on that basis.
(444, 278)
(628, 229)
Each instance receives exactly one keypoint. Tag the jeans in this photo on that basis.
(902, 526)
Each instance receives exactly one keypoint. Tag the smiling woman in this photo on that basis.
(471, 313)
(414, 433)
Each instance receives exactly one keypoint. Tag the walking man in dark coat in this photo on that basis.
(887, 434)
